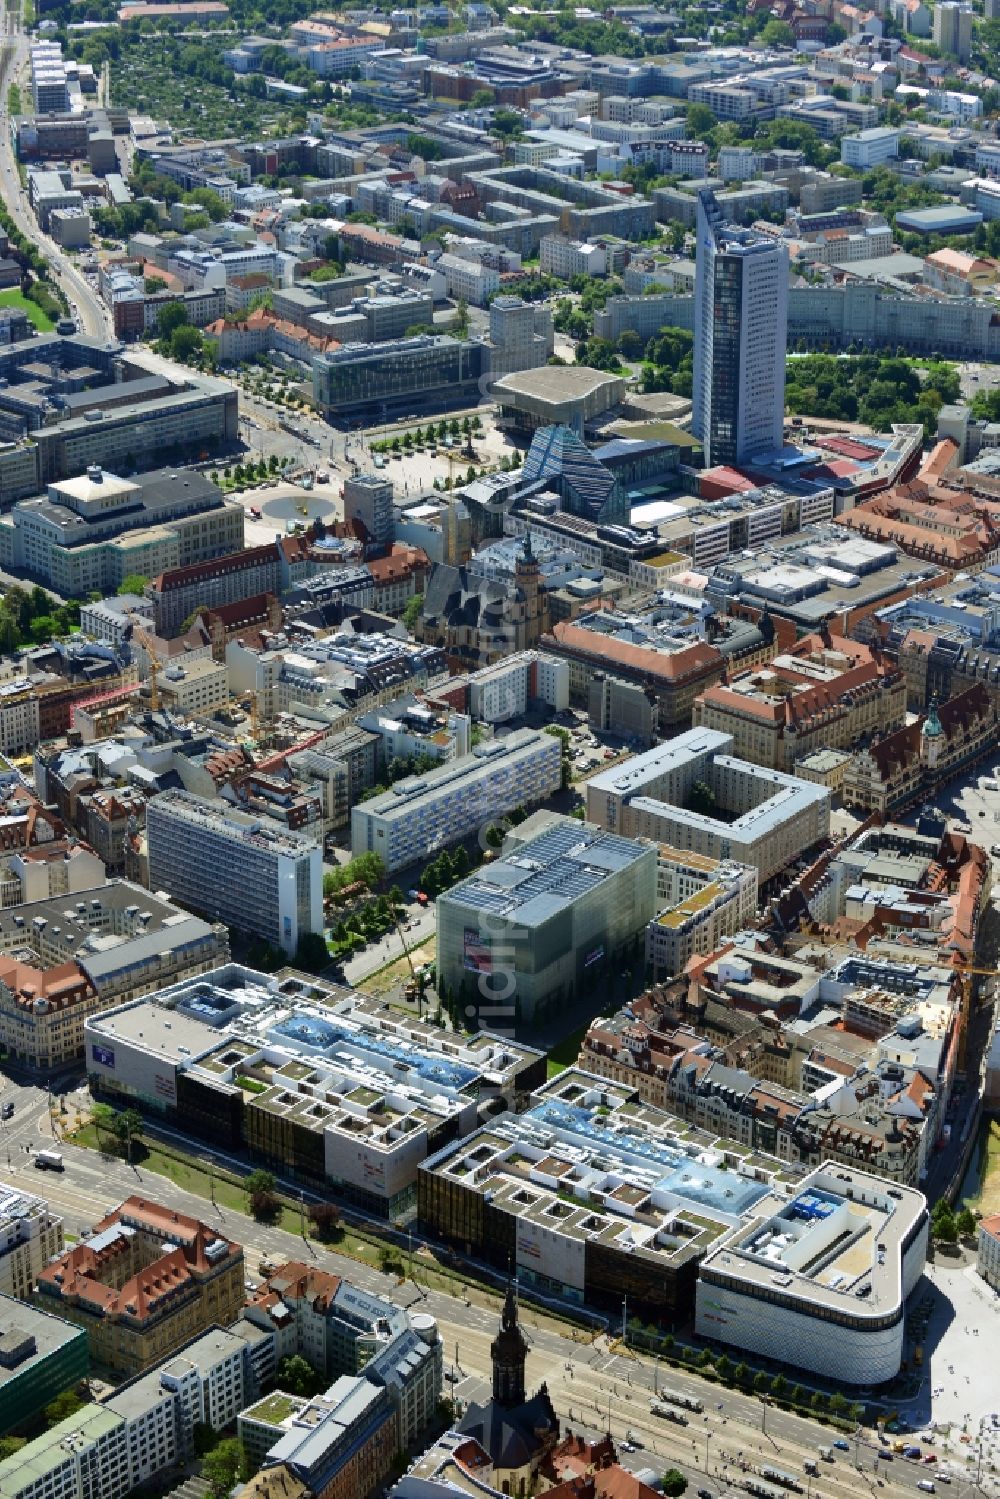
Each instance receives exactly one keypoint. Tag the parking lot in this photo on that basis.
(590, 748)
(976, 377)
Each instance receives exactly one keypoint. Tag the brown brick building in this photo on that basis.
(146, 1282)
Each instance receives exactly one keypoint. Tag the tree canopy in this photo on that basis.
(870, 388)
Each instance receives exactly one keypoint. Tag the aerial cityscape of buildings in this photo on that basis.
(499, 774)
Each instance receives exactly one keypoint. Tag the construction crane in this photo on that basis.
(144, 638)
(968, 972)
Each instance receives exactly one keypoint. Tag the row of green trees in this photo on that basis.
(180, 340)
(42, 291)
(367, 867)
(948, 1226)
(418, 437)
(370, 921)
(739, 1375)
(247, 473)
(566, 761)
(446, 870)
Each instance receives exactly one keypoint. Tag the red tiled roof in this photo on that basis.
(695, 659)
(402, 563)
(83, 1272)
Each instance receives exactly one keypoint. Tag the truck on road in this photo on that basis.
(48, 1160)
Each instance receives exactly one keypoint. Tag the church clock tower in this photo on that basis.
(508, 1353)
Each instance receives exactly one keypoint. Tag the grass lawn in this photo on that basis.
(276, 1407)
(986, 1198)
(566, 1051)
(14, 298)
(187, 1174)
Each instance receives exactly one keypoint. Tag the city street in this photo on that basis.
(592, 1384)
(86, 306)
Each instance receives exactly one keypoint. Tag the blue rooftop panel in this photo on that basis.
(702, 1185)
(326, 1036)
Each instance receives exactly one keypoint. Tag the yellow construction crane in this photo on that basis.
(144, 638)
(969, 972)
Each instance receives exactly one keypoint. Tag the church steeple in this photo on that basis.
(508, 1353)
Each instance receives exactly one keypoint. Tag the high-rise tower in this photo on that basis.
(740, 324)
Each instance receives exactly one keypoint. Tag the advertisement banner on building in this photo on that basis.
(477, 956)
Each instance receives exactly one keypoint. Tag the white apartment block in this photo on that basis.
(240, 869)
(688, 158)
(421, 815)
(49, 84)
(775, 816)
(838, 247)
(209, 1380)
(30, 1235)
(738, 164)
(468, 247)
(725, 100)
(503, 691)
(83, 1457)
(623, 110)
(868, 148)
(988, 158)
(212, 1373)
(559, 256)
(154, 1436)
(468, 280)
(534, 153)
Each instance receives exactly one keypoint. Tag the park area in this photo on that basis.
(35, 314)
(981, 1188)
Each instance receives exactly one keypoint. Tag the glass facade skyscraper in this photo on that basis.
(741, 317)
